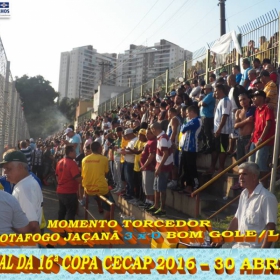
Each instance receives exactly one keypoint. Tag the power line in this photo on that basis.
(144, 32)
(115, 68)
(245, 9)
(137, 25)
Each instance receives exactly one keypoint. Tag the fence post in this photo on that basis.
(123, 99)
(166, 80)
(12, 114)
(153, 86)
(6, 92)
(105, 107)
(185, 70)
(141, 91)
(207, 66)
(110, 104)
(131, 96)
(239, 39)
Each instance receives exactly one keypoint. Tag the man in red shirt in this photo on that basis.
(264, 129)
(68, 177)
(148, 165)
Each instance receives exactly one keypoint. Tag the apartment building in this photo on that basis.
(140, 64)
(82, 70)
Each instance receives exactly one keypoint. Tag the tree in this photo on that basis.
(37, 97)
(68, 107)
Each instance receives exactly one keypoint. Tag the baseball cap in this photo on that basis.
(128, 131)
(14, 156)
(67, 130)
(173, 93)
(259, 93)
(31, 140)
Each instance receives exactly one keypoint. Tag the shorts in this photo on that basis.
(160, 182)
(176, 158)
(148, 178)
(221, 143)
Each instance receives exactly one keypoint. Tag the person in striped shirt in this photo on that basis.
(26, 150)
(190, 148)
(164, 163)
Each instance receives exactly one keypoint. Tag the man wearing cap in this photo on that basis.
(26, 190)
(264, 129)
(129, 163)
(75, 139)
(207, 106)
(270, 90)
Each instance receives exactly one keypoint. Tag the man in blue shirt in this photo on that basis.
(75, 139)
(207, 106)
(190, 148)
(245, 82)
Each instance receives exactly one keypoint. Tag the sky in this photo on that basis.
(39, 30)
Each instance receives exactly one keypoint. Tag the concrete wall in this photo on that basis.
(105, 93)
(83, 107)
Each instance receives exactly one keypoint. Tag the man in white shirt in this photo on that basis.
(257, 208)
(222, 128)
(26, 190)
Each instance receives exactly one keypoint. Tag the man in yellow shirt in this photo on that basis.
(94, 169)
(270, 90)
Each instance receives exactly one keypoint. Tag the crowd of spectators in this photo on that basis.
(152, 144)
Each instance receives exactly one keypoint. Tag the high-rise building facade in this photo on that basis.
(82, 70)
(140, 64)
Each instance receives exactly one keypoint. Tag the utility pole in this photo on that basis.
(102, 69)
(223, 17)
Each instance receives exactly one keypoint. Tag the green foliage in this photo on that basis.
(68, 106)
(40, 110)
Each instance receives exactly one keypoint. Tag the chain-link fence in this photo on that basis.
(13, 126)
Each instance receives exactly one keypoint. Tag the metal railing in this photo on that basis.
(236, 198)
(264, 31)
(230, 167)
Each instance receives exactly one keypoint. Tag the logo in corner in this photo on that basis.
(5, 9)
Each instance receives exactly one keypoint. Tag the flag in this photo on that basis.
(4, 5)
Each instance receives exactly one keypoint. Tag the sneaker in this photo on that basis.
(141, 204)
(151, 209)
(159, 213)
(116, 190)
(172, 184)
(148, 205)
